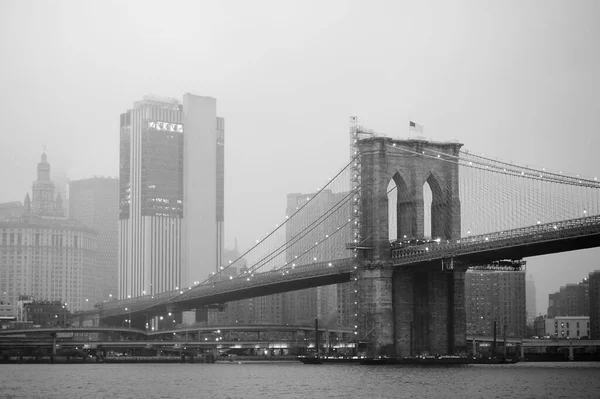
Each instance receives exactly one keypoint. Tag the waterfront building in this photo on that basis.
(6, 309)
(171, 194)
(95, 203)
(495, 296)
(46, 314)
(570, 300)
(594, 304)
(563, 327)
(44, 254)
(530, 305)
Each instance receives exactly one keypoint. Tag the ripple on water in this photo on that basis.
(295, 380)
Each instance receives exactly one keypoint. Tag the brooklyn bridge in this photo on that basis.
(402, 222)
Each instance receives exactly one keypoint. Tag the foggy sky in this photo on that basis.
(513, 80)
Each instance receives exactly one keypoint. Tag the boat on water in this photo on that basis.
(329, 359)
(436, 360)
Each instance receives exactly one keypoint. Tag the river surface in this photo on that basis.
(296, 380)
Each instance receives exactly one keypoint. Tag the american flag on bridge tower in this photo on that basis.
(413, 127)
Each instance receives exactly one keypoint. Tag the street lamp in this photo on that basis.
(128, 309)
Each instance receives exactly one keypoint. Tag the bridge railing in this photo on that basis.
(257, 279)
(236, 283)
(502, 239)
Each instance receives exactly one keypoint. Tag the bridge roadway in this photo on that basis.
(529, 241)
(540, 239)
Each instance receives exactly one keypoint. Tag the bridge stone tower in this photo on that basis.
(408, 310)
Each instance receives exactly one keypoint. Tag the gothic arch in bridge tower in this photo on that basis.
(409, 164)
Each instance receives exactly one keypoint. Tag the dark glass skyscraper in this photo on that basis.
(171, 192)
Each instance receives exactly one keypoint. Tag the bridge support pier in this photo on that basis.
(376, 318)
(429, 312)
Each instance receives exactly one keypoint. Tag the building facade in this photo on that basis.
(46, 314)
(594, 304)
(570, 300)
(530, 305)
(563, 327)
(44, 254)
(171, 194)
(333, 305)
(495, 296)
(11, 210)
(95, 203)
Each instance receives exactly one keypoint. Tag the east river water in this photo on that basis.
(296, 380)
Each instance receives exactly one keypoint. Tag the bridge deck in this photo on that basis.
(514, 244)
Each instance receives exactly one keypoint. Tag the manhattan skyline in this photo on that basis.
(518, 86)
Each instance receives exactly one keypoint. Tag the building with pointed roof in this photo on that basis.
(44, 254)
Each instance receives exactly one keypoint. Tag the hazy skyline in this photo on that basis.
(513, 80)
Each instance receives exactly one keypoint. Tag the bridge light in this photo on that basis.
(584, 212)
(169, 313)
(329, 264)
(161, 317)
(231, 277)
(538, 222)
(126, 309)
(555, 227)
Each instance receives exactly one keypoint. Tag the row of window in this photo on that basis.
(55, 240)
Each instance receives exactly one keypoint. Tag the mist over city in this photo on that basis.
(265, 184)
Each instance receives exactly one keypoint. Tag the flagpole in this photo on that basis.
(409, 126)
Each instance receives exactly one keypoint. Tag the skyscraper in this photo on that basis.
(95, 203)
(171, 194)
(530, 299)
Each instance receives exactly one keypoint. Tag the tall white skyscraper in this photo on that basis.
(171, 194)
